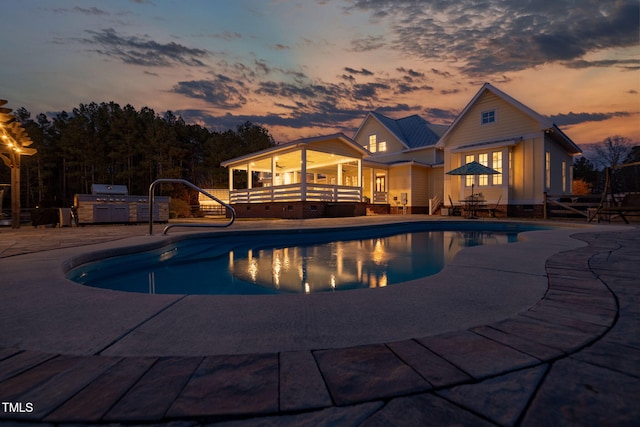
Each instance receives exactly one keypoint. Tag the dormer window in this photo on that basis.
(488, 117)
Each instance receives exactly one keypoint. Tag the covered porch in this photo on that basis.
(327, 169)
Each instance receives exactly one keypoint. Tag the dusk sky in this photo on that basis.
(304, 68)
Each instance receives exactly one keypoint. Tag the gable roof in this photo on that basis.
(296, 144)
(412, 131)
(544, 122)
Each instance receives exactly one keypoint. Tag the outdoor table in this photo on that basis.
(472, 203)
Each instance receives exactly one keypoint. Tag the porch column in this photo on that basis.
(360, 177)
(339, 173)
(230, 179)
(273, 175)
(249, 177)
(303, 174)
(372, 184)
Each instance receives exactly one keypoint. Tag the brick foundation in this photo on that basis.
(378, 209)
(525, 211)
(299, 210)
(411, 210)
(302, 210)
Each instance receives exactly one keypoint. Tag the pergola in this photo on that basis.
(14, 143)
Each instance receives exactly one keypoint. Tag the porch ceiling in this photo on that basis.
(291, 161)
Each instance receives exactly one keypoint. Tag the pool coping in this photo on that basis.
(114, 323)
(576, 310)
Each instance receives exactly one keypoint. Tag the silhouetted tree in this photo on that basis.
(612, 151)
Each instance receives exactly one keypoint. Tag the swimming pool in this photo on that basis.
(289, 261)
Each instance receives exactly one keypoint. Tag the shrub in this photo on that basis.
(178, 208)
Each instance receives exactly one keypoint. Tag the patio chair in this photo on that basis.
(456, 210)
(491, 210)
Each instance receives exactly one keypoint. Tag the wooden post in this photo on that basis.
(15, 190)
(360, 177)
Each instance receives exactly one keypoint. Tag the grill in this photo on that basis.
(113, 204)
(109, 190)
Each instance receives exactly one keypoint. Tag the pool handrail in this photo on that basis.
(190, 185)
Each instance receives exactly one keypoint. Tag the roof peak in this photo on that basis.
(412, 131)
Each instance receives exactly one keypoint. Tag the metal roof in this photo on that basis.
(413, 131)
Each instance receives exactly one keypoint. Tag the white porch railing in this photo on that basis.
(434, 203)
(293, 193)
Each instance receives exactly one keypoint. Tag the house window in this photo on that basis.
(382, 146)
(510, 168)
(496, 163)
(488, 117)
(483, 159)
(381, 184)
(373, 145)
(547, 170)
(469, 179)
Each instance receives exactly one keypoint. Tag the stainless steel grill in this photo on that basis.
(109, 203)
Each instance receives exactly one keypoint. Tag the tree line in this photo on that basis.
(109, 144)
(617, 154)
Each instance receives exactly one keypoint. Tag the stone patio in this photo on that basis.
(572, 358)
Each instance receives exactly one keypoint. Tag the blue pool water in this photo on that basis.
(294, 262)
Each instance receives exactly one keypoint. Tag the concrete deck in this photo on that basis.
(544, 331)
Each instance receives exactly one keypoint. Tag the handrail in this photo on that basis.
(434, 203)
(193, 186)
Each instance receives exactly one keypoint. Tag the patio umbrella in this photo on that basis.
(473, 168)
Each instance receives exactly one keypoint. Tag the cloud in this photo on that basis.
(626, 64)
(403, 88)
(368, 43)
(410, 73)
(261, 67)
(396, 108)
(220, 91)
(438, 115)
(280, 46)
(292, 90)
(572, 118)
(362, 71)
(336, 117)
(449, 91)
(497, 36)
(437, 72)
(143, 51)
(91, 11)
(82, 10)
(226, 35)
(368, 91)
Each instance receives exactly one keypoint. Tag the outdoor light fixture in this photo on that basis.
(14, 143)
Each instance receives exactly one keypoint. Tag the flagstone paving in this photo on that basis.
(572, 359)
